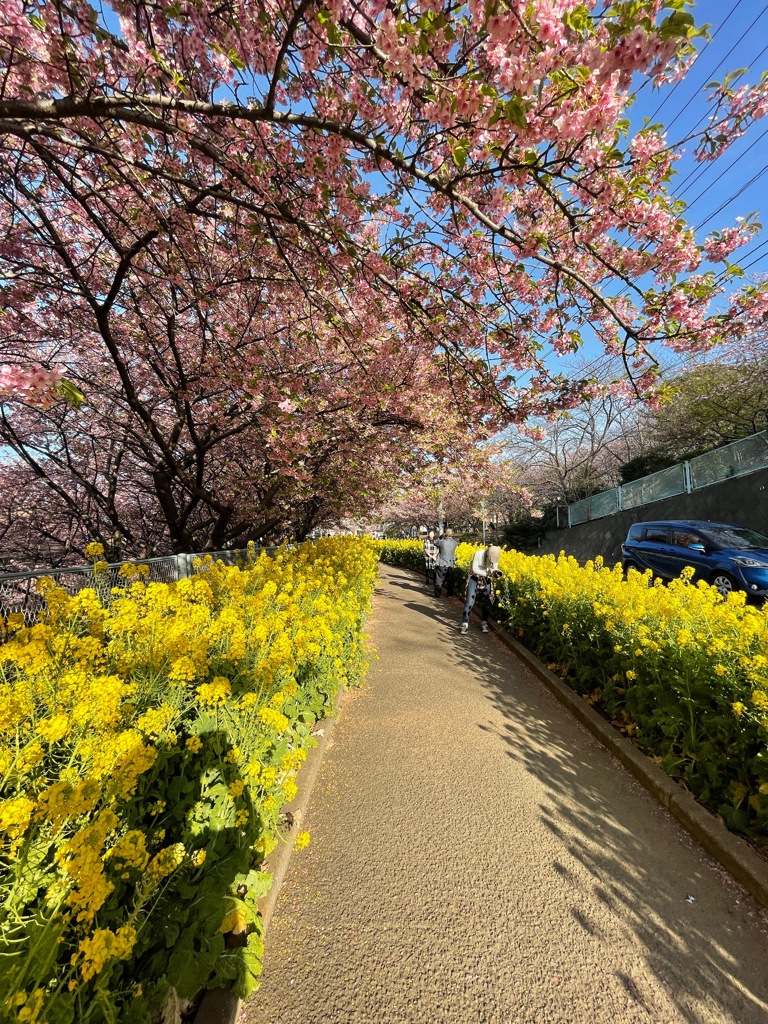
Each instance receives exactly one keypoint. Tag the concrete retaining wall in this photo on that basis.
(742, 500)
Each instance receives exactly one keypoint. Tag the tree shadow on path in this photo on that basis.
(700, 934)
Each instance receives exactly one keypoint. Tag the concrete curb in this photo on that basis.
(733, 853)
(221, 1006)
(277, 862)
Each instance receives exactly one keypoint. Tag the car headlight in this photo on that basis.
(753, 563)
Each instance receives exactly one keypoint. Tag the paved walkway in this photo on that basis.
(477, 858)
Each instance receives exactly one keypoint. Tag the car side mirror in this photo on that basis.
(698, 547)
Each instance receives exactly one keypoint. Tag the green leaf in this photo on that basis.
(334, 36)
(250, 958)
(326, 19)
(460, 152)
(579, 19)
(72, 394)
(677, 25)
(514, 111)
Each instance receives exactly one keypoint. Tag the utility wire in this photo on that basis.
(717, 68)
(754, 252)
(698, 56)
(705, 114)
(711, 184)
(735, 195)
(697, 172)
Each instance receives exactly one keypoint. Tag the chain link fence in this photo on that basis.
(736, 459)
(19, 592)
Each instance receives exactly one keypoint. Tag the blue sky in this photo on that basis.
(737, 183)
(734, 185)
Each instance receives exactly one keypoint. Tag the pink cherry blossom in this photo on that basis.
(292, 254)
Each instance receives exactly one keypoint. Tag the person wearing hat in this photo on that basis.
(446, 560)
(485, 565)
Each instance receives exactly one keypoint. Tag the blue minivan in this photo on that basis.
(727, 556)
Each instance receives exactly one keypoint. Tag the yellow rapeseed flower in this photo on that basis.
(215, 692)
(301, 840)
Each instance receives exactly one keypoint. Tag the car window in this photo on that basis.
(737, 537)
(636, 533)
(683, 538)
(655, 533)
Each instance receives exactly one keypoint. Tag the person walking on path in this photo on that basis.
(485, 565)
(430, 555)
(566, 895)
(446, 560)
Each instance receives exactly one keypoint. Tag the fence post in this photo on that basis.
(619, 498)
(569, 516)
(183, 566)
(687, 477)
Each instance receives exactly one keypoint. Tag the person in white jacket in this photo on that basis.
(485, 565)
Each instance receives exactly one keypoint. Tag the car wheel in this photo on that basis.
(631, 565)
(724, 582)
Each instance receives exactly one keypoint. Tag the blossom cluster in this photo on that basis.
(677, 667)
(150, 736)
(34, 384)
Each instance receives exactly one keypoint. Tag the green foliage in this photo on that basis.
(709, 406)
(525, 532)
(137, 806)
(651, 461)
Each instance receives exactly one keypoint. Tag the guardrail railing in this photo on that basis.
(736, 459)
(19, 593)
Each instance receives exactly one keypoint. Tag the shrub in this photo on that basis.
(149, 741)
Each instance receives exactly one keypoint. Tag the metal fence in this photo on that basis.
(19, 593)
(664, 484)
(736, 459)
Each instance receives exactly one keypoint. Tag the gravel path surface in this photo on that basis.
(477, 858)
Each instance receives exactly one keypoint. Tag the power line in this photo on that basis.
(735, 195)
(704, 115)
(752, 262)
(730, 167)
(717, 68)
(698, 57)
(697, 172)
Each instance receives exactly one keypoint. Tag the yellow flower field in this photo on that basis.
(150, 736)
(677, 667)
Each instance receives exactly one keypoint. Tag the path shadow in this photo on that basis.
(423, 609)
(594, 814)
(408, 585)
